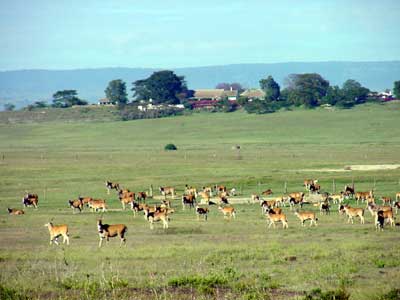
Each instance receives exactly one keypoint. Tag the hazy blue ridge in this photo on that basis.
(26, 86)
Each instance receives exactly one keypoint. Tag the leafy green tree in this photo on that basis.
(306, 89)
(271, 88)
(396, 89)
(333, 96)
(67, 98)
(37, 104)
(161, 87)
(9, 106)
(354, 92)
(116, 92)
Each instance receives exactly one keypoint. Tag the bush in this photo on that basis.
(11, 294)
(317, 294)
(169, 147)
(131, 112)
(394, 294)
(264, 106)
(224, 105)
(259, 107)
(9, 107)
(196, 281)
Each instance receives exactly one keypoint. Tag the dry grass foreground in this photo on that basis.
(217, 259)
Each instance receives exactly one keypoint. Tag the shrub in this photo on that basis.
(11, 294)
(131, 112)
(259, 107)
(196, 281)
(393, 294)
(170, 147)
(317, 294)
(379, 263)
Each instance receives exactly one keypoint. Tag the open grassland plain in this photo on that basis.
(217, 259)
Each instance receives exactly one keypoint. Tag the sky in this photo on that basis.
(75, 34)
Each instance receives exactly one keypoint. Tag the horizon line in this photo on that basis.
(202, 66)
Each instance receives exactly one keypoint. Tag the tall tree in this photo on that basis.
(271, 88)
(116, 92)
(396, 89)
(307, 89)
(161, 87)
(67, 98)
(354, 91)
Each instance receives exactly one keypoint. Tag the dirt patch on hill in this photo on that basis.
(355, 168)
(373, 167)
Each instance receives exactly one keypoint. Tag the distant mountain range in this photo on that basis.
(22, 87)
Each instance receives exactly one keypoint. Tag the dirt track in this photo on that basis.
(355, 168)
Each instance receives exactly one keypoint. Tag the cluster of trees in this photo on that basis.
(162, 87)
(165, 87)
(309, 90)
(61, 99)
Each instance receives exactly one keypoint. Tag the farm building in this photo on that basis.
(208, 104)
(214, 94)
(253, 94)
(204, 104)
(208, 94)
(151, 106)
(106, 102)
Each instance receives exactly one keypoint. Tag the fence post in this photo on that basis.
(258, 187)
(285, 188)
(151, 191)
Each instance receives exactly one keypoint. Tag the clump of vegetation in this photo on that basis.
(205, 285)
(170, 147)
(91, 288)
(379, 263)
(393, 294)
(197, 281)
(318, 294)
(131, 112)
(9, 106)
(11, 294)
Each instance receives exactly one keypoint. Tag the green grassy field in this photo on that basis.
(218, 259)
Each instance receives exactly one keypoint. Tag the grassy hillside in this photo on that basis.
(91, 113)
(61, 160)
